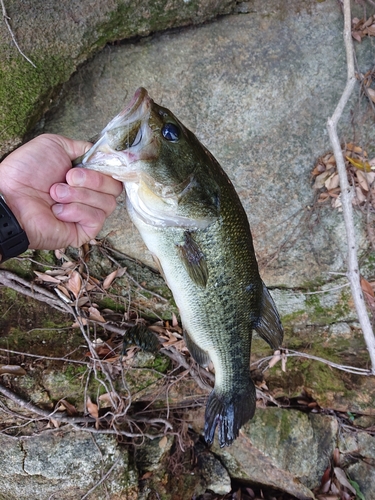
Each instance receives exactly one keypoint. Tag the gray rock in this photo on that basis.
(290, 441)
(215, 475)
(364, 475)
(360, 447)
(61, 463)
(340, 328)
(256, 89)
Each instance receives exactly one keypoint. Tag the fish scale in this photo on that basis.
(191, 219)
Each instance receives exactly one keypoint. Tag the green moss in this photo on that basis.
(161, 363)
(25, 91)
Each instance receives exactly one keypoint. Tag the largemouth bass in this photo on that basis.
(191, 219)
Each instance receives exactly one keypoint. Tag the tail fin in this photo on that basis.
(229, 413)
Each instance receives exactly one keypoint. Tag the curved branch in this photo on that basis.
(346, 193)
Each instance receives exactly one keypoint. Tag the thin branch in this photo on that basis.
(48, 358)
(23, 286)
(297, 354)
(39, 411)
(106, 475)
(346, 192)
(6, 20)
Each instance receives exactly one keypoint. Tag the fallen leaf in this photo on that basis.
(55, 422)
(174, 320)
(163, 442)
(332, 182)
(364, 179)
(147, 475)
(361, 197)
(350, 146)
(71, 409)
(60, 253)
(95, 315)
(320, 179)
(112, 276)
(357, 35)
(46, 277)
(336, 457)
(109, 397)
(92, 408)
(74, 283)
(83, 322)
(370, 30)
(343, 480)
(12, 370)
(360, 164)
(366, 287)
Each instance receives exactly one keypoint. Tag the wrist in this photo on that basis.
(13, 239)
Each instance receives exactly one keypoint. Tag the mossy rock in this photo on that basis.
(57, 37)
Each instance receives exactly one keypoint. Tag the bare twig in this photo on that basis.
(346, 193)
(48, 358)
(297, 354)
(106, 475)
(23, 286)
(6, 21)
(39, 411)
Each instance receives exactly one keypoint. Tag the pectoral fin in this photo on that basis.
(194, 260)
(269, 326)
(201, 357)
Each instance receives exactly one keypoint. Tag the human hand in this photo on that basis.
(56, 205)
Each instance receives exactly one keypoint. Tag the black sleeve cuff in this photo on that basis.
(13, 239)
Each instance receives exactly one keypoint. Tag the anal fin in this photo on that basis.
(269, 326)
(200, 356)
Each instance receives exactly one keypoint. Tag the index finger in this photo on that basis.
(96, 181)
(73, 148)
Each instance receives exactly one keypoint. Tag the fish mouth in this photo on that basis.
(123, 141)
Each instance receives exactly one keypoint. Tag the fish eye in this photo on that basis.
(171, 132)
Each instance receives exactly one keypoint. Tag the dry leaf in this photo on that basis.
(54, 422)
(366, 287)
(350, 146)
(74, 283)
(77, 324)
(163, 442)
(174, 320)
(95, 315)
(363, 180)
(12, 370)
(320, 180)
(360, 164)
(361, 197)
(92, 408)
(319, 168)
(71, 410)
(357, 35)
(46, 277)
(109, 397)
(59, 254)
(112, 276)
(332, 182)
(370, 30)
(343, 480)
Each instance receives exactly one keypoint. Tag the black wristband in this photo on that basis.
(13, 239)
